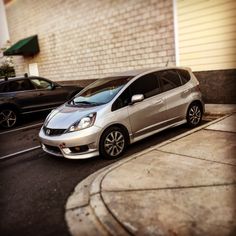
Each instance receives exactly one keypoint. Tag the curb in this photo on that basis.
(87, 214)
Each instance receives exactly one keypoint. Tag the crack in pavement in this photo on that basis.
(203, 159)
(171, 188)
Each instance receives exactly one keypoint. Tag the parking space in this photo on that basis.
(22, 138)
(19, 140)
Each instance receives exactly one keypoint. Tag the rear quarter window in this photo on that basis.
(184, 75)
(169, 79)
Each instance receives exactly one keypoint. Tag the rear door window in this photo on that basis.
(18, 85)
(147, 85)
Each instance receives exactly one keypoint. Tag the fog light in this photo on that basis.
(78, 149)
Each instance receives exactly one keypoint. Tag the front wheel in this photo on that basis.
(113, 143)
(194, 115)
(8, 118)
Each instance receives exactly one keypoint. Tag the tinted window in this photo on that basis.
(41, 84)
(17, 85)
(123, 100)
(147, 85)
(184, 75)
(2, 88)
(169, 79)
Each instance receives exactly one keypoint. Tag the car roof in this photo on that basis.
(144, 71)
(3, 80)
(131, 72)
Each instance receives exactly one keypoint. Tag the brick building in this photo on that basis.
(81, 40)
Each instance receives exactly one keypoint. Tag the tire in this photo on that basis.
(194, 115)
(8, 118)
(113, 143)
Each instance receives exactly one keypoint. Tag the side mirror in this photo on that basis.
(137, 98)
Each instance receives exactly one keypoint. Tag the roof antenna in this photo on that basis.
(167, 62)
(26, 75)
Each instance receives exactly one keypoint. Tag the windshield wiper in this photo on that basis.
(87, 103)
(71, 102)
(74, 103)
(83, 102)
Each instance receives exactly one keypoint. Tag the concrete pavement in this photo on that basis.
(185, 186)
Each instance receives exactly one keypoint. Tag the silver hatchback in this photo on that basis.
(113, 112)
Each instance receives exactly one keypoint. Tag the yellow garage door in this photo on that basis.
(206, 34)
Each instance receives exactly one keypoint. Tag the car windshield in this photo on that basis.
(100, 92)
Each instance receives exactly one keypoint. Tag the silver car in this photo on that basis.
(113, 112)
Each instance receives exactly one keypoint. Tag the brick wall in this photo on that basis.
(89, 39)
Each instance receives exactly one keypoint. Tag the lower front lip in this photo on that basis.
(73, 139)
(66, 152)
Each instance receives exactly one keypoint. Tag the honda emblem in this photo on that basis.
(48, 131)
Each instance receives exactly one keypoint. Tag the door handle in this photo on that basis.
(186, 91)
(160, 101)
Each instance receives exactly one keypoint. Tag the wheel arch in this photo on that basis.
(199, 102)
(14, 109)
(121, 126)
(106, 131)
(10, 105)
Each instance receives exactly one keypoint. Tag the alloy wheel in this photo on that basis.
(194, 115)
(7, 118)
(114, 143)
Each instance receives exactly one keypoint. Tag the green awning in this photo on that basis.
(26, 47)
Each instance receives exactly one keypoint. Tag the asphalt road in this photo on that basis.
(34, 186)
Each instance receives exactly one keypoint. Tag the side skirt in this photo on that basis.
(133, 140)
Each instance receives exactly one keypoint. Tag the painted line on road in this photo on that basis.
(21, 128)
(20, 152)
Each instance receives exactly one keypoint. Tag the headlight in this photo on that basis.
(84, 123)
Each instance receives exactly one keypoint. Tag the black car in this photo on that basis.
(24, 95)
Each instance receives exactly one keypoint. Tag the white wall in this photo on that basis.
(207, 34)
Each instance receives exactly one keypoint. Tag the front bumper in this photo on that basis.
(64, 145)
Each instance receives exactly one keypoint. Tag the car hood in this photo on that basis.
(65, 116)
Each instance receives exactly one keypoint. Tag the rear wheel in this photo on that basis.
(113, 143)
(194, 115)
(8, 118)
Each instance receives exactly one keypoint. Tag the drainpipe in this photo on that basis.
(4, 33)
(176, 32)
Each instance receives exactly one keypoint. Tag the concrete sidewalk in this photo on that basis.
(185, 186)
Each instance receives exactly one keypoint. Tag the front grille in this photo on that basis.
(53, 132)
